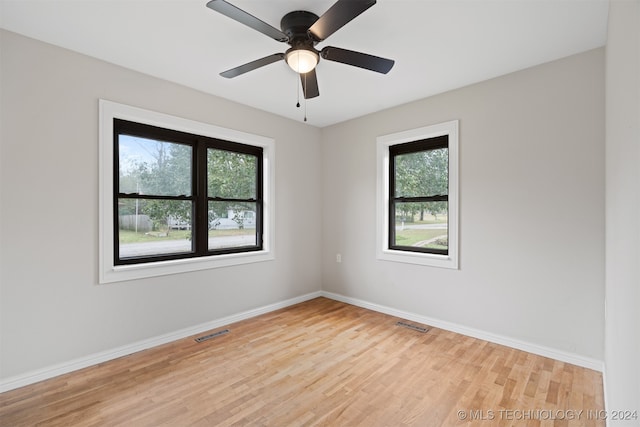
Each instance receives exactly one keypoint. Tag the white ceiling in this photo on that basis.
(438, 45)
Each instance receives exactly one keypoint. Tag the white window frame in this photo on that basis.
(382, 218)
(108, 271)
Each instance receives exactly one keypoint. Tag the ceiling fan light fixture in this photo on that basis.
(302, 60)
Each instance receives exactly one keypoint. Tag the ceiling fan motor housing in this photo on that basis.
(296, 26)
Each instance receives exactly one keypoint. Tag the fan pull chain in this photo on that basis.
(305, 99)
(298, 87)
(305, 109)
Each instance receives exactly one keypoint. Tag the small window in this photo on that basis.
(178, 195)
(417, 196)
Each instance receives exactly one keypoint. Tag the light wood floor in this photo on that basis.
(321, 362)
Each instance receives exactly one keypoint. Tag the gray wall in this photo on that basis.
(52, 309)
(531, 208)
(622, 343)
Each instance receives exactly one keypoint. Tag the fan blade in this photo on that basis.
(357, 59)
(247, 19)
(337, 16)
(250, 66)
(310, 84)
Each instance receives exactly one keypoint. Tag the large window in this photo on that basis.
(417, 196)
(159, 213)
(178, 195)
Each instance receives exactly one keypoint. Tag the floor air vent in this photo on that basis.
(414, 327)
(213, 335)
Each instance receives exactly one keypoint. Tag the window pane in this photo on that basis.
(232, 225)
(231, 175)
(422, 174)
(421, 225)
(154, 227)
(154, 167)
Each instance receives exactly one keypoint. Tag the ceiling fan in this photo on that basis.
(302, 30)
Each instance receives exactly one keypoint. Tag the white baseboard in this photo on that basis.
(563, 356)
(96, 358)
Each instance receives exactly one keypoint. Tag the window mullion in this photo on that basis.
(201, 233)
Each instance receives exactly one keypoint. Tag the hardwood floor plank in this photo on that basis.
(318, 363)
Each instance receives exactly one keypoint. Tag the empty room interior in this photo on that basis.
(437, 223)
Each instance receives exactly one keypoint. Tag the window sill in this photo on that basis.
(431, 260)
(123, 273)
